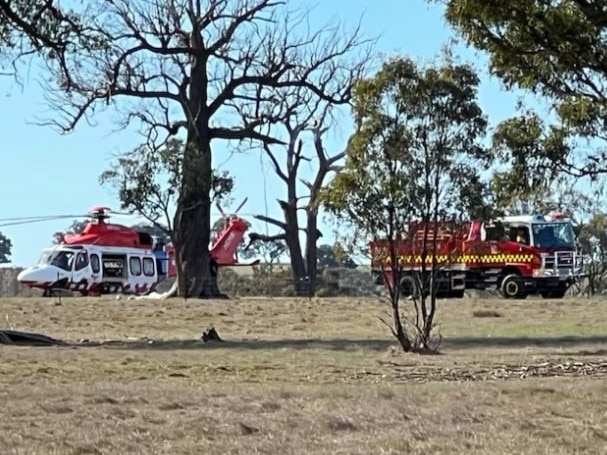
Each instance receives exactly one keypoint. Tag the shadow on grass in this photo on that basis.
(358, 344)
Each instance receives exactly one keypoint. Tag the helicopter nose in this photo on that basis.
(37, 275)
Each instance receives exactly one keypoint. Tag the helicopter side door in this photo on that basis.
(81, 271)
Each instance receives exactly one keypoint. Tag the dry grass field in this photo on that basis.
(302, 377)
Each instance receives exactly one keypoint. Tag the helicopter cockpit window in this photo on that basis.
(62, 259)
(44, 257)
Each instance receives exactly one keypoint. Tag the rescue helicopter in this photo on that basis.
(108, 258)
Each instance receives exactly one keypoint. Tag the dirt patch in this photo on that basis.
(486, 314)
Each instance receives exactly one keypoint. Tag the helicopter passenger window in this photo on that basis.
(95, 264)
(148, 266)
(82, 260)
(135, 266)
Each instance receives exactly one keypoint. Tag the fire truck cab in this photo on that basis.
(550, 239)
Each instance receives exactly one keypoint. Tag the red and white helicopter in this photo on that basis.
(110, 258)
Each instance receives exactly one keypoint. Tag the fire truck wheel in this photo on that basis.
(512, 287)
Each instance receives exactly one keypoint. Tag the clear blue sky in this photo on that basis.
(45, 173)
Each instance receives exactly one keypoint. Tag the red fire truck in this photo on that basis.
(516, 255)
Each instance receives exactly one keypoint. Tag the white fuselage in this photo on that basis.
(92, 268)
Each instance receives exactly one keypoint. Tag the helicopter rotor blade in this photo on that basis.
(116, 212)
(124, 215)
(220, 209)
(35, 220)
(40, 217)
(108, 212)
(240, 206)
(19, 221)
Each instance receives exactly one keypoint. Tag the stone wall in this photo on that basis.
(10, 287)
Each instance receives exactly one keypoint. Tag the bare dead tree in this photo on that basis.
(304, 114)
(173, 65)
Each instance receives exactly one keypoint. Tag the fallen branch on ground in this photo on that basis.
(13, 337)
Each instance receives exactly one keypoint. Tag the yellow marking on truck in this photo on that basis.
(468, 258)
(497, 258)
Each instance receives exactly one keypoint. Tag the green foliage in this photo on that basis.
(42, 26)
(154, 230)
(5, 249)
(592, 238)
(269, 252)
(76, 227)
(556, 49)
(416, 151)
(148, 181)
(334, 256)
(525, 147)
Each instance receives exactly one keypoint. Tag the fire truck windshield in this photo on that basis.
(553, 235)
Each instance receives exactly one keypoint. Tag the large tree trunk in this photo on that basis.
(193, 223)
(311, 247)
(193, 215)
(298, 265)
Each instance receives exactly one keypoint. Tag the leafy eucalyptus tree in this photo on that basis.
(5, 249)
(415, 157)
(558, 50)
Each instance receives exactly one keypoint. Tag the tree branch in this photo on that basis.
(255, 237)
(275, 222)
(241, 134)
